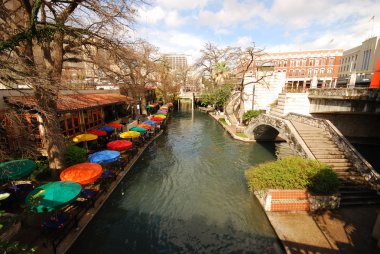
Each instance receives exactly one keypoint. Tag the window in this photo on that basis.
(323, 62)
(297, 73)
(69, 124)
(303, 62)
(302, 72)
(315, 71)
(311, 62)
(291, 63)
(309, 72)
(321, 71)
(316, 62)
(297, 63)
(291, 73)
(93, 118)
(367, 56)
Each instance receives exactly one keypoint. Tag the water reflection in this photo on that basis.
(187, 194)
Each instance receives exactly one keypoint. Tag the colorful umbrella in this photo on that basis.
(82, 173)
(84, 137)
(157, 119)
(52, 196)
(150, 122)
(107, 128)
(149, 106)
(115, 125)
(98, 133)
(160, 116)
(119, 145)
(162, 112)
(105, 156)
(129, 134)
(16, 169)
(138, 129)
(145, 126)
(164, 107)
(169, 104)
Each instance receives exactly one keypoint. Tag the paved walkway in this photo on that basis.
(345, 230)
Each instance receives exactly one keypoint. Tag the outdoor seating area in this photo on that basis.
(54, 208)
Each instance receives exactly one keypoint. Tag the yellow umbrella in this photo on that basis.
(130, 134)
(84, 137)
(160, 116)
(165, 107)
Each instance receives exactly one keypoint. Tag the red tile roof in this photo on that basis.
(73, 102)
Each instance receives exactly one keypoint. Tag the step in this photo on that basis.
(329, 156)
(316, 139)
(321, 152)
(318, 147)
(326, 160)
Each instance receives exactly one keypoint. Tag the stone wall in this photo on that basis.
(295, 200)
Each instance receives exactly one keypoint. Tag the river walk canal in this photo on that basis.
(186, 194)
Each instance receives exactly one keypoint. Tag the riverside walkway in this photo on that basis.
(345, 230)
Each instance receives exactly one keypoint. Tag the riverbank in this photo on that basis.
(230, 129)
(345, 230)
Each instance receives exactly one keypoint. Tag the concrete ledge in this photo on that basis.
(230, 130)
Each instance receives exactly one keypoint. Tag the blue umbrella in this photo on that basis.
(150, 122)
(107, 128)
(105, 156)
(162, 112)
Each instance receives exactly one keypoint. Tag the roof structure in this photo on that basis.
(72, 102)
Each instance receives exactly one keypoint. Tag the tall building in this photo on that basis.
(358, 64)
(176, 61)
(305, 69)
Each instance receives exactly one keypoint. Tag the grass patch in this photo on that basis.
(241, 134)
(222, 120)
(293, 173)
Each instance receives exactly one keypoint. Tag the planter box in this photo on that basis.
(295, 200)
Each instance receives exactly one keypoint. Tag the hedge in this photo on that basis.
(293, 173)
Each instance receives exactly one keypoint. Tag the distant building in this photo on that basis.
(358, 64)
(176, 61)
(306, 69)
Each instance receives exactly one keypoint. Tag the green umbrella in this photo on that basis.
(138, 129)
(160, 114)
(52, 196)
(13, 170)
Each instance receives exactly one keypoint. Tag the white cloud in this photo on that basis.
(151, 16)
(181, 5)
(244, 41)
(172, 19)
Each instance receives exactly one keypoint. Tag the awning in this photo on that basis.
(73, 102)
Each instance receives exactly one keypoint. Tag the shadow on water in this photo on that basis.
(186, 194)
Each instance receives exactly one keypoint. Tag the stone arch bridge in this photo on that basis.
(320, 140)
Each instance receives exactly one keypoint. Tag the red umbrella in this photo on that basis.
(119, 145)
(98, 133)
(115, 125)
(82, 173)
(145, 126)
(157, 119)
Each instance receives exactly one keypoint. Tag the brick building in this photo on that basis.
(305, 69)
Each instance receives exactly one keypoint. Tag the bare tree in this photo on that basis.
(167, 85)
(39, 36)
(215, 62)
(249, 64)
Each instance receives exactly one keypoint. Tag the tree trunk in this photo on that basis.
(53, 138)
(143, 104)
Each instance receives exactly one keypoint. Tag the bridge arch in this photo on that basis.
(264, 132)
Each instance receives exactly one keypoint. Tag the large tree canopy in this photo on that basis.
(37, 37)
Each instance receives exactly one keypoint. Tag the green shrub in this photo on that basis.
(293, 173)
(325, 182)
(74, 155)
(247, 116)
(223, 120)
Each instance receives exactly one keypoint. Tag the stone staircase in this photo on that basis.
(278, 109)
(354, 188)
(230, 109)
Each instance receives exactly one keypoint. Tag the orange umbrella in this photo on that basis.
(145, 126)
(115, 125)
(82, 173)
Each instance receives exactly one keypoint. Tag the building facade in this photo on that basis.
(358, 64)
(176, 61)
(306, 69)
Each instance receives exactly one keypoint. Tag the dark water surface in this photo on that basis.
(186, 194)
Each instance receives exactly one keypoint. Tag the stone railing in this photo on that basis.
(230, 110)
(353, 156)
(346, 93)
(285, 128)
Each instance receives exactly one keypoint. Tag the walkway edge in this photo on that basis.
(228, 129)
(72, 236)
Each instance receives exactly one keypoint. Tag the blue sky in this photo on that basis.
(277, 25)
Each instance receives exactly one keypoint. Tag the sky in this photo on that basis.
(184, 27)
